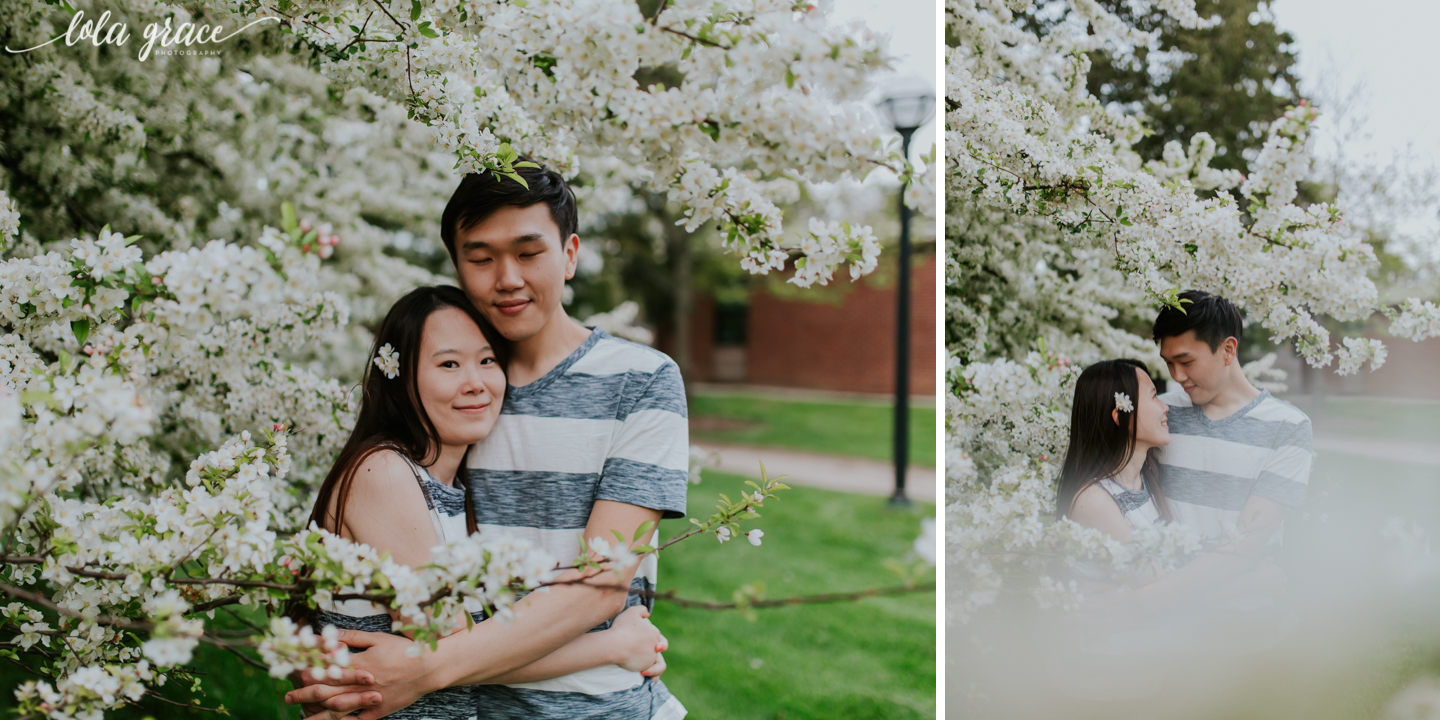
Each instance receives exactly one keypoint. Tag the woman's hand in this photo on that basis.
(637, 643)
(355, 684)
(397, 680)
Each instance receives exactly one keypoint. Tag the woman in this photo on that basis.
(436, 385)
(1109, 479)
(1109, 482)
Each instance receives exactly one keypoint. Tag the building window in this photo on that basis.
(730, 323)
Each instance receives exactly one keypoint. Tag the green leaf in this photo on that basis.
(414, 10)
(789, 77)
(644, 528)
(81, 328)
(428, 31)
(287, 217)
(620, 538)
(516, 177)
(34, 397)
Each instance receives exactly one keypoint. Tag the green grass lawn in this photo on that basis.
(1369, 418)
(874, 658)
(837, 428)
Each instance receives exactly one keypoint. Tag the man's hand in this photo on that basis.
(397, 680)
(654, 671)
(636, 641)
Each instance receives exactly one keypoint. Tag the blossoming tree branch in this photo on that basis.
(1049, 206)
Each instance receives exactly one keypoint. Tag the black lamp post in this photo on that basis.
(906, 111)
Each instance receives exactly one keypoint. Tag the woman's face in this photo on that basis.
(461, 384)
(1152, 429)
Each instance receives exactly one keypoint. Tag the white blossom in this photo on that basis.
(1123, 404)
(388, 361)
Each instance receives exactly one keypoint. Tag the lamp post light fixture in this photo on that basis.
(907, 111)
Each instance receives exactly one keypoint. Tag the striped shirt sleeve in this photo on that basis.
(1285, 475)
(649, 459)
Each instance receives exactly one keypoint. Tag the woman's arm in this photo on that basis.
(631, 642)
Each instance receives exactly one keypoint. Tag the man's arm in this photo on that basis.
(630, 642)
(544, 622)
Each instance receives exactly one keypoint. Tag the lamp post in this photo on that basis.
(906, 111)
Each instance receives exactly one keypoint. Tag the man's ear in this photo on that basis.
(571, 246)
(1230, 348)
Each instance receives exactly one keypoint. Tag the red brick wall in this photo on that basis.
(838, 338)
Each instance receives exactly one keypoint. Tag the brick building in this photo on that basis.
(1411, 370)
(841, 337)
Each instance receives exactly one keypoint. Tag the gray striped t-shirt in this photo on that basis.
(1211, 467)
(608, 423)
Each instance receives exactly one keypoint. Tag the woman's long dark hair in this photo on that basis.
(1099, 447)
(391, 415)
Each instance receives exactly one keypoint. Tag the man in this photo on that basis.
(1238, 457)
(593, 438)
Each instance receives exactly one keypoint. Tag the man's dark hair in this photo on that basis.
(1213, 318)
(481, 194)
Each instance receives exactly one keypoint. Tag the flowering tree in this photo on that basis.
(169, 403)
(1060, 236)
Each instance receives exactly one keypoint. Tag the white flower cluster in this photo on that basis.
(387, 361)
(1123, 404)
(620, 322)
(1263, 374)
(85, 693)
(9, 219)
(288, 648)
(768, 85)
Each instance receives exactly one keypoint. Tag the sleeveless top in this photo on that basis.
(447, 512)
(1137, 506)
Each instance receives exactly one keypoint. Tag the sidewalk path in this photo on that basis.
(1398, 450)
(831, 472)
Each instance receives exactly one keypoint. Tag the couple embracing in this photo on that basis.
(486, 408)
(1217, 456)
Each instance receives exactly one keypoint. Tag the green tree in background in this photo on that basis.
(1229, 80)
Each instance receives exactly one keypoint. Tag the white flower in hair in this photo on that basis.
(1122, 403)
(388, 361)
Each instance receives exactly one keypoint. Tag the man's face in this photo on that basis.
(513, 266)
(1198, 369)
